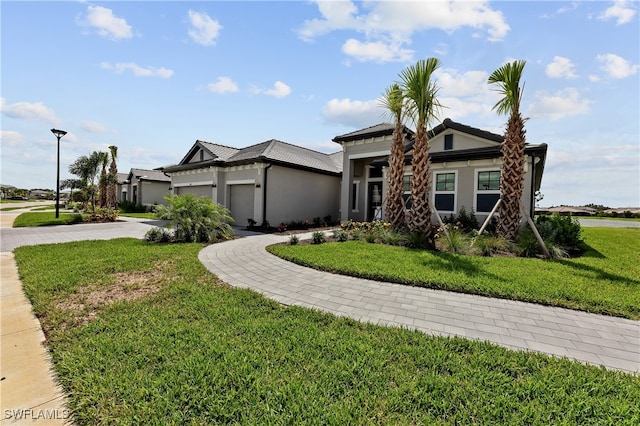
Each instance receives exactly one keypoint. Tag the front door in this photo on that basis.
(374, 201)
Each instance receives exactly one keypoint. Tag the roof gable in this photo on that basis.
(146, 174)
(213, 152)
(382, 129)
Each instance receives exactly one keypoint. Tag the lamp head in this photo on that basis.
(58, 133)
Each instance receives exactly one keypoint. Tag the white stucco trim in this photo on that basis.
(198, 183)
(241, 182)
(368, 154)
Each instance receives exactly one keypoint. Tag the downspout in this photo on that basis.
(264, 195)
(532, 207)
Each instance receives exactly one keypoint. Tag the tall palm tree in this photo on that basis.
(422, 103)
(104, 160)
(393, 101)
(112, 187)
(507, 77)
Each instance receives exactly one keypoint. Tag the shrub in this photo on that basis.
(464, 220)
(318, 237)
(103, 215)
(293, 240)
(455, 241)
(340, 235)
(196, 219)
(419, 240)
(127, 206)
(561, 234)
(158, 235)
(488, 245)
(393, 238)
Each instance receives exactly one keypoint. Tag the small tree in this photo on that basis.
(112, 186)
(196, 219)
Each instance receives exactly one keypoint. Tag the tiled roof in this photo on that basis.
(282, 152)
(221, 152)
(145, 174)
(273, 151)
(122, 177)
(382, 129)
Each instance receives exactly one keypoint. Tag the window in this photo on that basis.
(487, 190)
(375, 172)
(406, 191)
(489, 181)
(445, 192)
(201, 155)
(355, 189)
(448, 142)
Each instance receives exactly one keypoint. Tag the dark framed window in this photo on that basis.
(375, 172)
(448, 142)
(445, 182)
(489, 181)
(355, 187)
(445, 202)
(406, 191)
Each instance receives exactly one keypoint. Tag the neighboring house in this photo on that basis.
(122, 187)
(146, 187)
(271, 182)
(465, 170)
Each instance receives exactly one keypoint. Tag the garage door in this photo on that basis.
(198, 191)
(241, 203)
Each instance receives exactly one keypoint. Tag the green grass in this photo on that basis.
(139, 215)
(192, 351)
(605, 280)
(45, 219)
(41, 208)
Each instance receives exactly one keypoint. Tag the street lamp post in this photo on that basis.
(59, 134)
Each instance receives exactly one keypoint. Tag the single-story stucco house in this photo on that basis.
(276, 182)
(271, 182)
(465, 166)
(146, 187)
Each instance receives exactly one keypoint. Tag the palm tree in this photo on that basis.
(71, 184)
(422, 103)
(393, 101)
(104, 160)
(112, 187)
(86, 168)
(507, 77)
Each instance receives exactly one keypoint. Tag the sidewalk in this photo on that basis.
(594, 339)
(28, 390)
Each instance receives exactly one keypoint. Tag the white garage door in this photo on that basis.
(198, 191)
(241, 199)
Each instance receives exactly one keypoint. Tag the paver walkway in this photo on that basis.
(594, 339)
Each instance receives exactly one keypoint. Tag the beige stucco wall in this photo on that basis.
(298, 195)
(150, 192)
(460, 141)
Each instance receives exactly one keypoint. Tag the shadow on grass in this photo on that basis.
(588, 251)
(600, 273)
(449, 262)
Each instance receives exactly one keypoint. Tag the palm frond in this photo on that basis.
(507, 77)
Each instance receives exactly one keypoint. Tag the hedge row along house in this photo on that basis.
(275, 182)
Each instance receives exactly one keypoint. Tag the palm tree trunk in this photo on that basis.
(395, 208)
(511, 177)
(420, 218)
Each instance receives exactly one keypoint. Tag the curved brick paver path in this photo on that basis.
(595, 339)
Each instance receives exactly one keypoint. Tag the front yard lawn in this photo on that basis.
(46, 219)
(143, 334)
(606, 279)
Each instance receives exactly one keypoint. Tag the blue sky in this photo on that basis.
(153, 77)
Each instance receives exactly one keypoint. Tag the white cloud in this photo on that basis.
(391, 24)
(93, 127)
(563, 103)
(106, 24)
(357, 114)
(463, 94)
(11, 138)
(279, 90)
(376, 51)
(36, 111)
(561, 68)
(616, 66)
(622, 11)
(137, 70)
(223, 85)
(204, 30)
